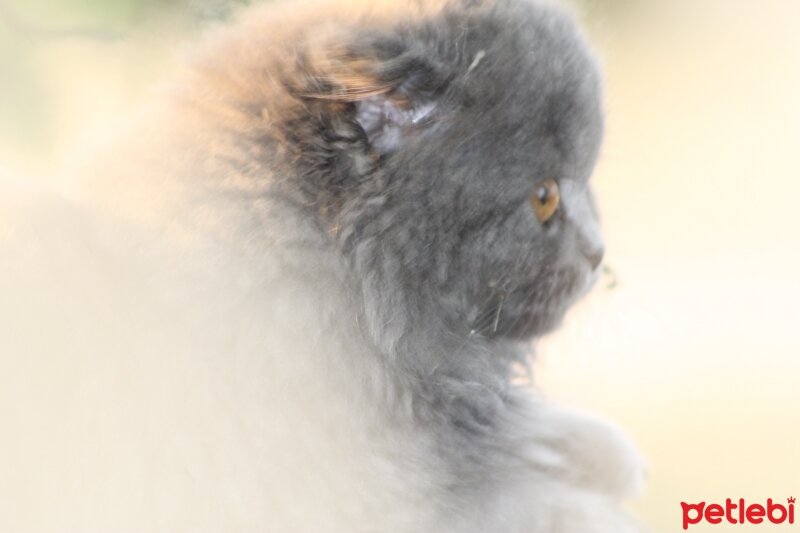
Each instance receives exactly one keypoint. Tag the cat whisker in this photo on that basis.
(497, 314)
(480, 55)
(487, 317)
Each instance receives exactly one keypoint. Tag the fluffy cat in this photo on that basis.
(294, 296)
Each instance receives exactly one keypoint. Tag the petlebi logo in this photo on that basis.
(738, 512)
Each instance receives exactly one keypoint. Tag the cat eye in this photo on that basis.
(545, 200)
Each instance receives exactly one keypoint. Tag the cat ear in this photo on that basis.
(393, 93)
(388, 125)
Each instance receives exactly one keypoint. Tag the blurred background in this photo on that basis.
(695, 347)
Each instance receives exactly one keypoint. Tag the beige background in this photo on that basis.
(696, 350)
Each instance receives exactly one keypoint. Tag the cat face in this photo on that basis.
(478, 130)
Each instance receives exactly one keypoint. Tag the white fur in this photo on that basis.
(140, 402)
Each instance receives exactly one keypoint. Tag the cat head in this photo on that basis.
(451, 160)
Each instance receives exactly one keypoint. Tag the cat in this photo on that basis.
(294, 295)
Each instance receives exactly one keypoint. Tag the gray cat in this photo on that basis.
(311, 271)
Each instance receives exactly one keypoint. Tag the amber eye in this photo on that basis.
(545, 200)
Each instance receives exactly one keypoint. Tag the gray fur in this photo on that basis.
(435, 223)
(370, 178)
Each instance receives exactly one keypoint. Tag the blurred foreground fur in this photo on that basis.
(293, 297)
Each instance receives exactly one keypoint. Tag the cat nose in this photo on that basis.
(594, 255)
(591, 245)
(581, 211)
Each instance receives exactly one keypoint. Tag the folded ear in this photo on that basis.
(393, 90)
(387, 124)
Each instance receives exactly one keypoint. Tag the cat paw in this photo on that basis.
(596, 454)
